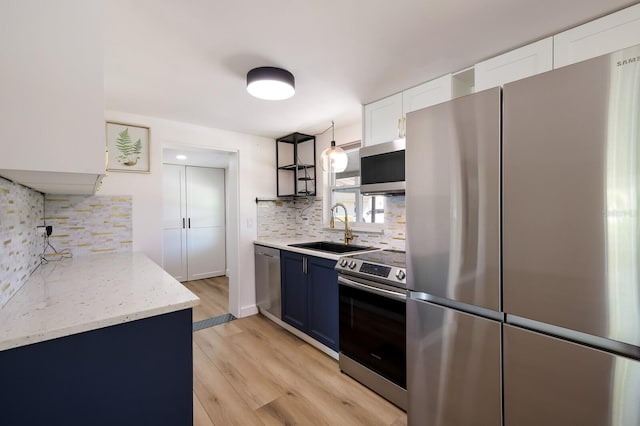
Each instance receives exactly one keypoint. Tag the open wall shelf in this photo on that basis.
(296, 159)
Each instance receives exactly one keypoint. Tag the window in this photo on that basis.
(345, 189)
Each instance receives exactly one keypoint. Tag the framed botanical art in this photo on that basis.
(127, 147)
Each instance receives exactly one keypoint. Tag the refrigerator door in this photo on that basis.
(548, 381)
(453, 375)
(452, 200)
(571, 182)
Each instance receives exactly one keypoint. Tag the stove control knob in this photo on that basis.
(343, 262)
(352, 264)
(400, 274)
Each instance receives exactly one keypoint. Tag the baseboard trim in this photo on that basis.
(310, 340)
(247, 311)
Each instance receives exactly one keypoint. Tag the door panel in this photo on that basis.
(549, 381)
(194, 222)
(205, 196)
(174, 257)
(453, 182)
(173, 196)
(454, 371)
(570, 198)
(322, 280)
(206, 222)
(294, 290)
(206, 252)
(175, 253)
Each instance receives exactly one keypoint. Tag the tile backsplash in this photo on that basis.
(302, 219)
(82, 225)
(89, 225)
(20, 247)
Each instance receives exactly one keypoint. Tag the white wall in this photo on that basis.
(251, 171)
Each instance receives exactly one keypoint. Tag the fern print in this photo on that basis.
(129, 152)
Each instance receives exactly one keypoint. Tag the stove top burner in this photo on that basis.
(385, 266)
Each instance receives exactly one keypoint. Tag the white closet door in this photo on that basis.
(174, 221)
(205, 222)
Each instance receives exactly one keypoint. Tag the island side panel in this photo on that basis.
(135, 373)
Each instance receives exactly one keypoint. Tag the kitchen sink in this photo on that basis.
(331, 247)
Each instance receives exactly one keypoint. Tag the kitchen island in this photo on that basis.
(103, 339)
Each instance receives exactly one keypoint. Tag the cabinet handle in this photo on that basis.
(183, 224)
(402, 127)
(304, 265)
(189, 223)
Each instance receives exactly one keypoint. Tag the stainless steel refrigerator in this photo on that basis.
(453, 262)
(523, 264)
(571, 244)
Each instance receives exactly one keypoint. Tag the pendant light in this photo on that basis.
(270, 83)
(334, 159)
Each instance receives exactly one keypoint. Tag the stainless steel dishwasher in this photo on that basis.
(267, 261)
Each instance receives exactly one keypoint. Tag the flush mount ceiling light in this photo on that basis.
(334, 159)
(181, 157)
(271, 83)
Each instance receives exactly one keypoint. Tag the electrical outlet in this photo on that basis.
(41, 230)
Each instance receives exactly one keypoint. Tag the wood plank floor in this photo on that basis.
(252, 372)
(214, 297)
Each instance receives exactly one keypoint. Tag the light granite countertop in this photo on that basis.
(86, 293)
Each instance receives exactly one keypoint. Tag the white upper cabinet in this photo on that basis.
(526, 61)
(427, 94)
(599, 37)
(381, 120)
(384, 119)
(52, 135)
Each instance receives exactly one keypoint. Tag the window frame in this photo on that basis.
(330, 188)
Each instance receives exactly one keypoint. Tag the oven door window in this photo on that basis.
(372, 332)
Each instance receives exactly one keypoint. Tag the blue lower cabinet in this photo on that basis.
(310, 296)
(135, 373)
(294, 290)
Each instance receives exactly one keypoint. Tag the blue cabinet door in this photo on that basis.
(294, 290)
(322, 281)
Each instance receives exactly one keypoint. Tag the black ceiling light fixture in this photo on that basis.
(271, 83)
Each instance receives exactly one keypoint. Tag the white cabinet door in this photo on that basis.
(174, 219)
(381, 120)
(426, 94)
(599, 37)
(526, 61)
(52, 94)
(205, 222)
(193, 222)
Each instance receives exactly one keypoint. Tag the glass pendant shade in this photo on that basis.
(334, 159)
(270, 83)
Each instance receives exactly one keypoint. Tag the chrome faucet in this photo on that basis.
(348, 235)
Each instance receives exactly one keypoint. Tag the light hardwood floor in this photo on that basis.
(252, 372)
(214, 297)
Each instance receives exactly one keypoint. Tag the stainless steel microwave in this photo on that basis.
(382, 168)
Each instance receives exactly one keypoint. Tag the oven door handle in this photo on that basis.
(371, 289)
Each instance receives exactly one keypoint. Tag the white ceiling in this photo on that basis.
(187, 60)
